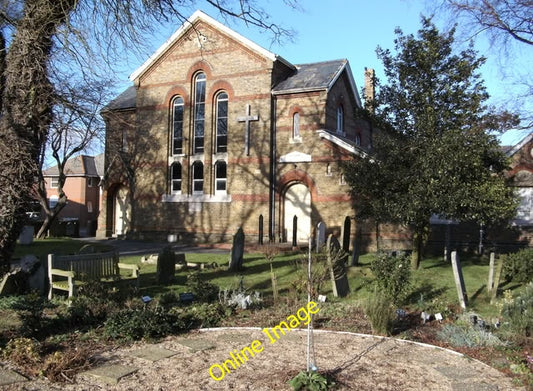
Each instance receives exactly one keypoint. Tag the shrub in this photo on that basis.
(25, 352)
(135, 324)
(459, 335)
(199, 315)
(393, 275)
(380, 311)
(203, 291)
(518, 312)
(311, 380)
(518, 266)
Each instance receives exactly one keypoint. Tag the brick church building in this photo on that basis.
(218, 133)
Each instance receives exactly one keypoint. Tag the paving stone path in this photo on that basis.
(363, 362)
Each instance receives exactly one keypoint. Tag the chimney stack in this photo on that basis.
(370, 88)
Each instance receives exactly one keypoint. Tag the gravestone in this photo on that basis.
(260, 239)
(26, 235)
(459, 281)
(490, 283)
(37, 273)
(346, 232)
(336, 259)
(166, 266)
(320, 235)
(295, 231)
(237, 251)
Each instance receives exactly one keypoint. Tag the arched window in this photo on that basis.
(52, 202)
(199, 112)
(222, 122)
(340, 120)
(221, 177)
(296, 126)
(177, 125)
(358, 139)
(175, 178)
(197, 178)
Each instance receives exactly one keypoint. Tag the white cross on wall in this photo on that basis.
(247, 119)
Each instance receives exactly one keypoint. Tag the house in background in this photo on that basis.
(521, 175)
(82, 188)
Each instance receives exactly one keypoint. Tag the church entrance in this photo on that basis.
(297, 203)
(122, 212)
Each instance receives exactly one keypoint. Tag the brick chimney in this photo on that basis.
(370, 88)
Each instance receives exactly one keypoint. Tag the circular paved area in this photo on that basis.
(361, 362)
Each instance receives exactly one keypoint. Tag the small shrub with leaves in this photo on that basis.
(25, 352)
(199, 315)
(203, 291)
(393, 275)
(465, 335)
(518, 266)
(518, 312)
(135, 324)
(311, 381)
(381, 313)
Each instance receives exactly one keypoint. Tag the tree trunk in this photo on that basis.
(26, 114)
(420, 236)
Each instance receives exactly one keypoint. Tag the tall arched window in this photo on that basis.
(175, 178)
(221, 177)
(296, 126)
(222, 122)
(177, 125)
(340, 120)
(197, 178)
(199, 112)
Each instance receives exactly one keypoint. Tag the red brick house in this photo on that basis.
(82, 189)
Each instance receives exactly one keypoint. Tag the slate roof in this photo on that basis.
(81, 165)
(518, 146)
(126, 100)
(311, 77)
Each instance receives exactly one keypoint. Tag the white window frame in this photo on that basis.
(221, 180)
(177, 102)
(54, 182)
(340, 120)
(195, 180)
(176, 180)
(220, 98)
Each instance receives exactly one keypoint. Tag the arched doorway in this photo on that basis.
(122, 212)
(297, 202)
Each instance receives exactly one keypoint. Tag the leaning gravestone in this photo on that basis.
(459, 281)
(166, 266)
(237, 251)
(320, 235)
(337, 266)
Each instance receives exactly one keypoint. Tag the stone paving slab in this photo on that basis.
(8, 376)
(196, 345)
(456, 373)
(153, 353)
(474, 387)
(110, 374)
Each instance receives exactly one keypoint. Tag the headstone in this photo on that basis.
(260, 239)
(490, 283)
(166, 266)
(237, 251)
(295, 231)
(26, 235)
(37, 276)
(320, 235)
(459, 281)
(337, 266)
(346, 232)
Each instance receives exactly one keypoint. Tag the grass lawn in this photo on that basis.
(432, 285)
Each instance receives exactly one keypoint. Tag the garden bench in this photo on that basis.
(66, 272)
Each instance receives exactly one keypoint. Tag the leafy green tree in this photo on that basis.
(436, 152)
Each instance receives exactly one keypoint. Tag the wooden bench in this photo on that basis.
(66, 272)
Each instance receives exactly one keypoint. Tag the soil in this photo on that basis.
(356, 361)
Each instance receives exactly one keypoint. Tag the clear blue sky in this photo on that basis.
(353, 29)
